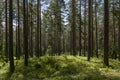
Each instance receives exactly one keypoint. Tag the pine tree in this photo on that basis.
(106, 32)
(11, 36)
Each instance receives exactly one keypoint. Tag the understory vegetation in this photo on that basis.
(63, 67)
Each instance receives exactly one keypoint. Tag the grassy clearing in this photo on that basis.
(61, 68)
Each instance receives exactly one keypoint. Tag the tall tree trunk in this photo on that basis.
(89, 29)
(19, 48)
(114, 38)
(28, 24)
(25, 32)
(80, 41)
(31, 32)
(6, 31)
(59, 30)
(84, 53)
(106, 32)
(119, 33)
(16, 49)
(31, 38)
(96, 25)
(11, 36)
(92, 33)
(38, 30)
(73, 27)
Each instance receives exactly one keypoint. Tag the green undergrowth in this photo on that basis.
(61, 68)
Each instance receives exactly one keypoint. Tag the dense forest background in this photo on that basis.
(38, 28)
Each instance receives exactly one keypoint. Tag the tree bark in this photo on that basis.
(11, 36)
(19, 47)
(89, 29)
(6, 31)
(106, 33)
(96, 25)
(80, 41)
(84, 53)
(25, 32)
(73, 27)
(119, 33)
(38, 30)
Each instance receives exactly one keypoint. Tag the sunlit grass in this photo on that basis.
(63, 67)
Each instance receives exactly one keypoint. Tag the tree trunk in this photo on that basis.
(38, 30)
(11, 36)
(92, 33)
(80, 41)
(19, 48)
(96, 25)
(89, 29)
(31, 33)
(73, 27)
(106, 33)
(114, 36)
(119, 33)
(25, 32)
(84, 53)
(6, 31)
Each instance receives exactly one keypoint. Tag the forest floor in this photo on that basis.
(61, 68)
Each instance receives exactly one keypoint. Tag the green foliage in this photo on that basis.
(62, 68)
(49, 50)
